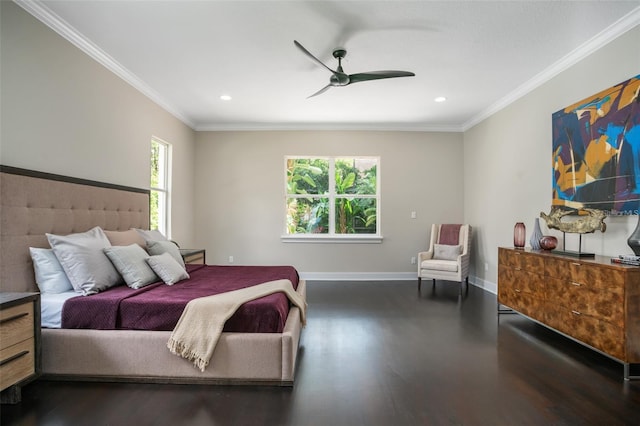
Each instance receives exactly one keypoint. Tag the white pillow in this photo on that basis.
(446, 252)
(50, 276)
(159, 247)
(83, 260)
(167, 268)
(131, 263)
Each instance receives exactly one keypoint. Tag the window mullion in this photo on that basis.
(332, 197)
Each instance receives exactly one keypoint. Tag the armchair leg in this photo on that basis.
(433, 287)
(419, 283)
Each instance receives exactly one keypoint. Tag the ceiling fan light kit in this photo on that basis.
(339, 78)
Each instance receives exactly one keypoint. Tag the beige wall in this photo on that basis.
(62, 112)
(507, 160)
(240, 203)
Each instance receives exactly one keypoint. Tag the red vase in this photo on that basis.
(548, 242)
(519, 235)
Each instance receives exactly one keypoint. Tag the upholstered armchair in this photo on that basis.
(448, 255)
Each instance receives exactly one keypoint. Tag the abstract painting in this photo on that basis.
(596, 151)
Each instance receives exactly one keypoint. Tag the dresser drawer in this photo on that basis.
(584, 273)
(16, 324)
(17, 362)
(603, 305)
(521, 281)
(521, 260)
(600, 334)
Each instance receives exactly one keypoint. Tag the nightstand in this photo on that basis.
(20, 360)
(196, 256)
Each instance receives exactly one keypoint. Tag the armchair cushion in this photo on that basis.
(446, 252)
(440, 265)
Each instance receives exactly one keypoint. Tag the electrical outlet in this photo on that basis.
(413, 215)
(486, 266)
(413, 260)
(230, 259)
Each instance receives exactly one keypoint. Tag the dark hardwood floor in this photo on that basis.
(379, 353)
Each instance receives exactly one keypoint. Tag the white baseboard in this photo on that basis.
(385, 276)
(489, 286)
(359, 276)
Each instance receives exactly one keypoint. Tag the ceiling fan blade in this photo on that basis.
(377, 75)
(324, 89)
(313, 58)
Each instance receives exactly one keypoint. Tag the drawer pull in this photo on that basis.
(518, 269)
(576, 264)
(517, 290)
(576, 284)
(13, 358)
(576, 313)
(15, 317)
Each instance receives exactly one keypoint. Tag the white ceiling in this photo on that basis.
(479, 55)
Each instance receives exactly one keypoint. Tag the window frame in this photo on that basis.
(163, 188)
(331, 236)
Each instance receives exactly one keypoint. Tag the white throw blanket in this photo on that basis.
(198, 329)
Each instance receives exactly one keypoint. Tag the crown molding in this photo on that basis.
(60, 26)
(380, 127)
(615, 30)
(64, 29)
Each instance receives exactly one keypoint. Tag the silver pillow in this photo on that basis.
(83, 260)
(131, 263)
(167, 268)
(159, 247)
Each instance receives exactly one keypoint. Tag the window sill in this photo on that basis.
(321, 238)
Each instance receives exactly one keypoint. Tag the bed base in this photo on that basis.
(143, 357)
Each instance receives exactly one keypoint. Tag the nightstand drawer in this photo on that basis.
(193, 256)
(16, 324)
(17, 362)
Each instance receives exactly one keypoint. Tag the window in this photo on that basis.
(160, 186)
(332, 198)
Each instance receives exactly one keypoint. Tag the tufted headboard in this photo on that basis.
(34, 203)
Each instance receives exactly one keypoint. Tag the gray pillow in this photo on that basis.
(167, 268)
(159, 247)
(446, 252)
(50, 276)
(131, 263)
(152, 235)
(84, 262)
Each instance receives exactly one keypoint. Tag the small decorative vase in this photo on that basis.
(519, 235)
(548, 242)
(536, 235)
(634, 239)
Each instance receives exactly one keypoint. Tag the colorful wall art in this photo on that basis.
(596, 151)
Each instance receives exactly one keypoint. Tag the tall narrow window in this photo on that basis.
(332, 196)
(160, 186)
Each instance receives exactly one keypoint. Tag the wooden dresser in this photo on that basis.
(19, 342)
(591, 300)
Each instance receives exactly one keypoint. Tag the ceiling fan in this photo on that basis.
(339, 78)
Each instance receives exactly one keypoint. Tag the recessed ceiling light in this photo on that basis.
(440, 99)
(225, 97)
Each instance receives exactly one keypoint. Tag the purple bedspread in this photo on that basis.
(159, 306)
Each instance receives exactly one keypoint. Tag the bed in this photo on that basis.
(33, 204)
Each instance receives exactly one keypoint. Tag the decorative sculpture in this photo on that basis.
(588, 224)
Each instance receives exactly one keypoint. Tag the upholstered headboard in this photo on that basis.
(34, 203)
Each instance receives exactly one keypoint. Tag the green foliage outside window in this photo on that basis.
(154, 206)
(354, 196)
